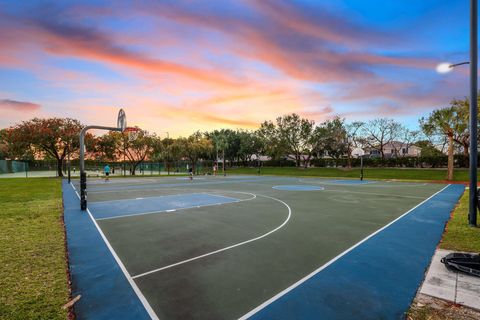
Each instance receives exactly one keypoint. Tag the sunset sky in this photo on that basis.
(182, 66)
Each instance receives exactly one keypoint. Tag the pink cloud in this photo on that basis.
(64, 39)
(20, 106)
(287, 40)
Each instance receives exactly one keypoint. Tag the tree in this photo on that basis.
(443, 122)
(136, 150)
(408, 138)
(55, 137)
(332, 139)
(428, 149)
(3, 144)
(158, 150)
(379, 132)
(292, 135)
(195, 147)
(173, 151)
(250, 145)
(461, 131)
(11, 147)
(161, 151)
(270, 140)
(219, 140)
(232, 145)
(353, 129)
(105, 147)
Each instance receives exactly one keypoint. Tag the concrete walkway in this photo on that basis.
(449, 285)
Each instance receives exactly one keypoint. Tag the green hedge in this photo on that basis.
(403, 162)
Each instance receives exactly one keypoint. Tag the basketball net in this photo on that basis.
(132, 133)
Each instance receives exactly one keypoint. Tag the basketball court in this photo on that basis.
(254, 247)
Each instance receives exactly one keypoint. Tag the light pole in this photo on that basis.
(473, 123)
(472, 208)
(166, 162)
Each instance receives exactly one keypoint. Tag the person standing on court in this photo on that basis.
(106, 170)
(215, 169)
(190, 172)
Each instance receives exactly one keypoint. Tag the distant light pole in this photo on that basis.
(473, 123)
(168, 154)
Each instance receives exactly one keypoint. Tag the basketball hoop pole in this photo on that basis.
(361, 168)
(83, 174)
(121, 125)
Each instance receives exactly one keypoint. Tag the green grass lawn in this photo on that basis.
(33, 279)
(369, 173)
(459, 236)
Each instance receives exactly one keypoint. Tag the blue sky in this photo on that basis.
(182, 66)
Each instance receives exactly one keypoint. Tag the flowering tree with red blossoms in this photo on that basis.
(56, 137)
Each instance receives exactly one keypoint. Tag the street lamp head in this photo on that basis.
(444, 67)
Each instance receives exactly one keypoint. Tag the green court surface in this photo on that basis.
(218, 247)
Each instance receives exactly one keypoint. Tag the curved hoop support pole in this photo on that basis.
(83, 174)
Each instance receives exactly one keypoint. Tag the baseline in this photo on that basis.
(170, 185)
(375, 194)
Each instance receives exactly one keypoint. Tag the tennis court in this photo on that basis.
(252, 247)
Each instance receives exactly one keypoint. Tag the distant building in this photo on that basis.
(261, 158)
(357, 152)
(395, 149)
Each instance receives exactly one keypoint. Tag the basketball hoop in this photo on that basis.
(121, 120)
(132, 133)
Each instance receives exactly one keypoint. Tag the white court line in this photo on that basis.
(388, 184)
(184, 208)
(226, 197)
(377, 184)
(143, 198)
(178, 186)
(375, 194)
(137, 291)
(296, 284)
(226, 248)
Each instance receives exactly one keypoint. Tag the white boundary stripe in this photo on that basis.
(344, 182)
(135, 288)
(375, 194)
(226, 248)
(296, 284)
(377, 184)
(146, 198)
(177, 209)
(160, 186)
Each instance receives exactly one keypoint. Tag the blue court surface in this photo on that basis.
(128, 207)
(252, 247)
